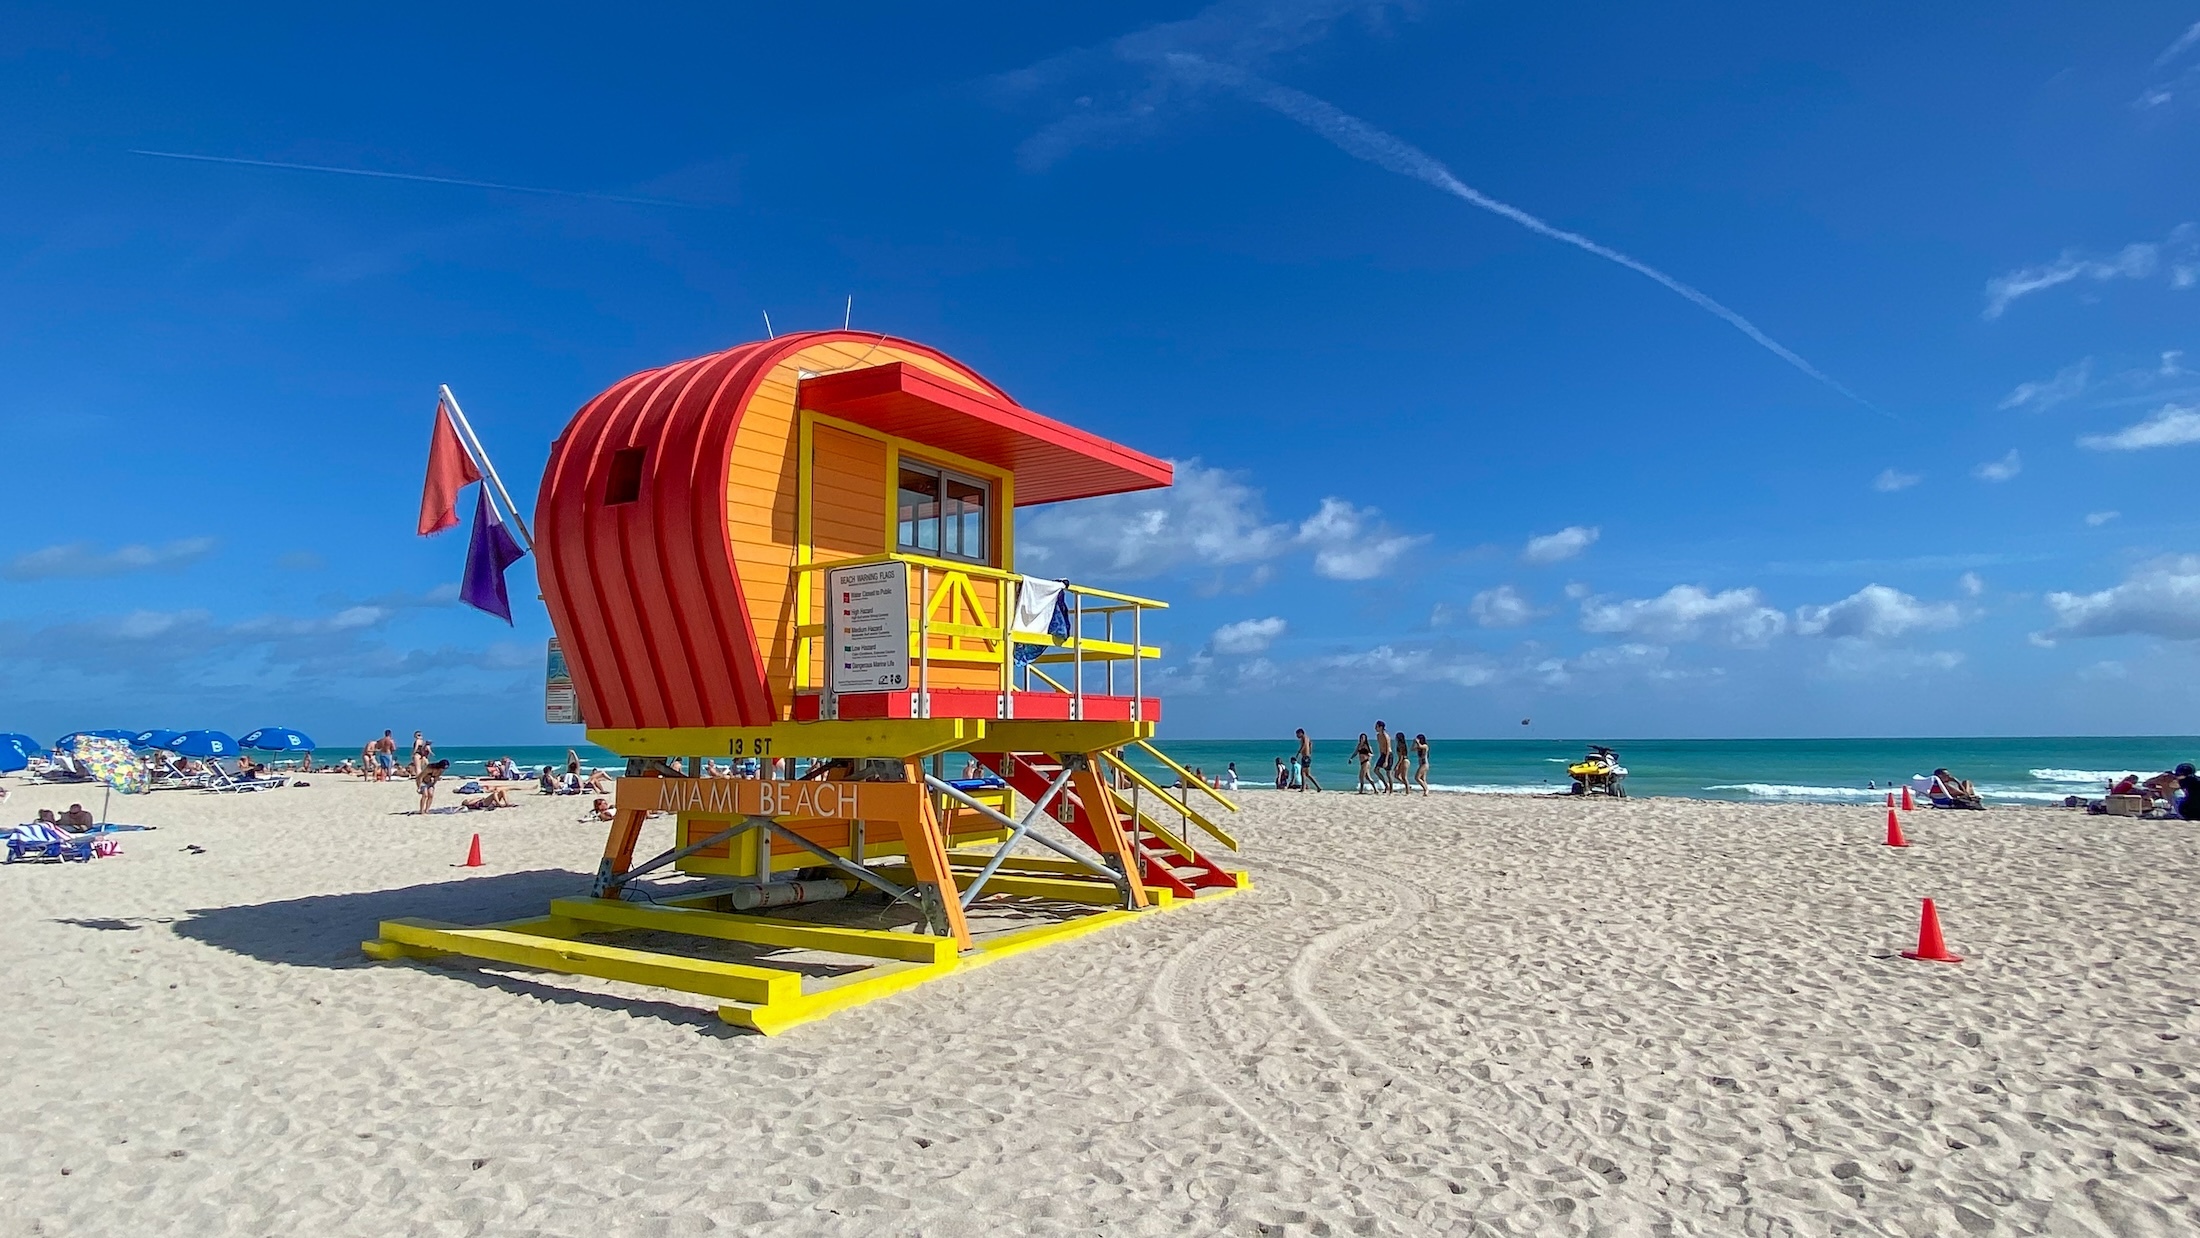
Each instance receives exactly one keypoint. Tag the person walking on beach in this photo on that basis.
(1306, 763)
(1382, 756)
(423, 752)
(1361, 756)
(385, 757)
(1420, 762)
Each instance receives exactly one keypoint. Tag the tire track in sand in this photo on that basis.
(1410, 901)
(1183, 994)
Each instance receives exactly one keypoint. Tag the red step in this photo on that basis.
(1159, 864)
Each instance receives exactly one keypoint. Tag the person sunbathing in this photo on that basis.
(548, 783)
(599, 782)
(1957, 791)
(599, 811)
(76, 820)
(499, 798)
(46, 817)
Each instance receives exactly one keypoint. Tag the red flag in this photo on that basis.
(450, 470)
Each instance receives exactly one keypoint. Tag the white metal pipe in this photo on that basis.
(487, 465)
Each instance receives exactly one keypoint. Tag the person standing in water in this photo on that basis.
(1306, 762)
(1382, 756)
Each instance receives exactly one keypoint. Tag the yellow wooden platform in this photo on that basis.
(760, 996)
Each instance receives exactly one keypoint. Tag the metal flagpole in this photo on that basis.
(459, 415)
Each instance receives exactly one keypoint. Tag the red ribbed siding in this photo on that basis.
(645, 596)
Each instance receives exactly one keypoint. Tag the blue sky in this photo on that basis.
(1437, 465)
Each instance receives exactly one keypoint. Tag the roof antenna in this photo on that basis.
(769, 334)
(847, 314)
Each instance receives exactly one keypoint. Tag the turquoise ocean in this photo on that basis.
(2017, 771)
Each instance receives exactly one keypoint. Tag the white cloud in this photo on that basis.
(1608, 663)
(1247, 635)
(1395, 666)
(2178, 254)
(2103, 672)
(2161, 598)
(2094, 520)
(2068, 384)
(1853, 658)
(1876, 613)
(1891, 480)
(2161, 91)
(2170, 426)
(2000, 470)
(1502, 607)
(1971, 583)
(1562, 545)
(1687, 612)
(80, 559)
(1208, 519)
(1350, 543)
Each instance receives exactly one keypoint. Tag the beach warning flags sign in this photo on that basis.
(450, 470)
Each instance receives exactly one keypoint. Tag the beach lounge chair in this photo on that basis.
(40, 841)
(63, 768)
(219, 779)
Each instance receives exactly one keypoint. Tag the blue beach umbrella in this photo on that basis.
(158, 737)
(12, 759)
(278, 739)
(23, 743)
(203, 744)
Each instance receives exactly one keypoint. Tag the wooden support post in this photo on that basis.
(1098, 805)
(928, 860)
(618, 849)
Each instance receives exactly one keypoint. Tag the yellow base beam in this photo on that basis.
(763, 999)
(733, 981)
(757, 930)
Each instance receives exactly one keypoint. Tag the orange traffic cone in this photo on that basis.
(473, 854)
(1930, 947)
(1894, 831)
(1906, 804)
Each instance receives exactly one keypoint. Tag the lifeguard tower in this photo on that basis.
(795, 559)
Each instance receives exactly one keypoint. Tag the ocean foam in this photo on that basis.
(2091, 777)
(1786, 791)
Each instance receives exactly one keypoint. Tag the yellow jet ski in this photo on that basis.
(1599, 773)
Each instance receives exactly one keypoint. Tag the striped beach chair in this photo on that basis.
(40, 841)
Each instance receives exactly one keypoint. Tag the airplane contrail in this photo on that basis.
(1361, 140)
(431, 180)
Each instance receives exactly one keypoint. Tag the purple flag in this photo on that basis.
(488, 552)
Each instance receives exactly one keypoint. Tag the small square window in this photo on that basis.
(941, 513)
(624, 484)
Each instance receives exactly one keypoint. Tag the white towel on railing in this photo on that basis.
(1035, 601)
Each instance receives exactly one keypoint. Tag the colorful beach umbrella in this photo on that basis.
(204, 744)
(110, 761)
(277, 739)
(69, 742)
(158, 737)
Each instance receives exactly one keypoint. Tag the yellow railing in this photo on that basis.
(954, 625)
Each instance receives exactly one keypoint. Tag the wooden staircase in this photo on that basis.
(1166, 859)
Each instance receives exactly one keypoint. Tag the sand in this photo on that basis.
(1453, 1015)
